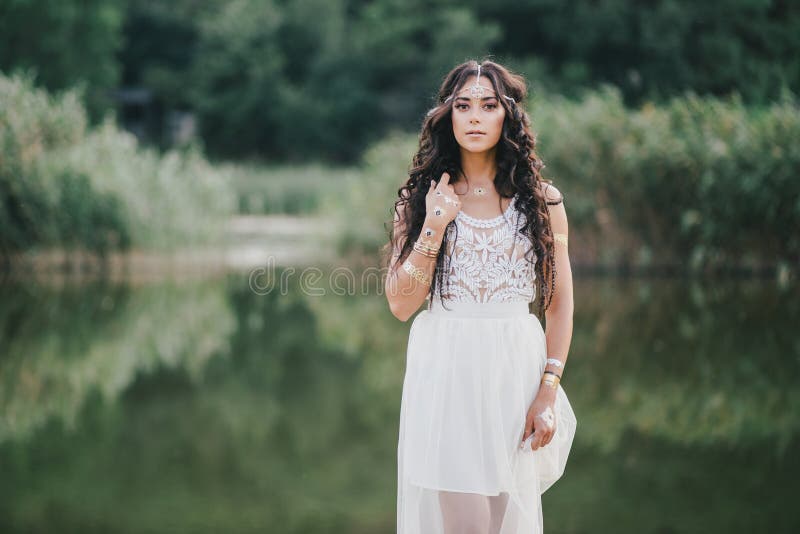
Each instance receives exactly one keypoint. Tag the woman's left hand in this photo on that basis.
(540, 419)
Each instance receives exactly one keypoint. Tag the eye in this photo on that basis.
(491, 106)
(461, 106)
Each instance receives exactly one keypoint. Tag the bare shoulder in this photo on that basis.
(555, 205)
(551, 194)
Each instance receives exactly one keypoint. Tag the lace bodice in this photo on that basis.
(487, 259)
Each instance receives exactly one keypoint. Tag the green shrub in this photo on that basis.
(364, 208)
(698, 182)
(63, 185)
(705, 180)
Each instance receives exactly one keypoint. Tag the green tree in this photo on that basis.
(65, 42)
(658, 48)
(287, 80)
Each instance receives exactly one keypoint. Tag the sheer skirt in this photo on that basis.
(471, 374)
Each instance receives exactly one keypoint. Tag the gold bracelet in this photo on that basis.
(426, 250)
(428, 254)
(560, 238)
(427, 243)
(551, 380)
(416, 273)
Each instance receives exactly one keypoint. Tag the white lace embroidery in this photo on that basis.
(486, 264)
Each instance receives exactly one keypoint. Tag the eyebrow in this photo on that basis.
(468, 99)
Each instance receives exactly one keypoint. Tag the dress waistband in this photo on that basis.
(479, 309)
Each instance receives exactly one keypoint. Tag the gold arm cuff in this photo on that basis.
(550, 380)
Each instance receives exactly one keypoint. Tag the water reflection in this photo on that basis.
(61, 345)
(206, 407)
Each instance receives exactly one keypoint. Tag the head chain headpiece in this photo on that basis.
(476, 90)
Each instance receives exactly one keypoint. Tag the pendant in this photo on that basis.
(480, 191)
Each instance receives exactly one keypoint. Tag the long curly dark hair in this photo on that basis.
(518, 172)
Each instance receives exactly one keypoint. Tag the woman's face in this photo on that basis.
(471, 114)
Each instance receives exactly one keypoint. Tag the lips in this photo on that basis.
(476, 132)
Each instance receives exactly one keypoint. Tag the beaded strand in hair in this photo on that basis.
(551, 267)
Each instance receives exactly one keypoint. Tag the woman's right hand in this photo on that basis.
(441, 203)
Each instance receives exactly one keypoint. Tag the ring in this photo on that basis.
(438, 192)
(548, 417)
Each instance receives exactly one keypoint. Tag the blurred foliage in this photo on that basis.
(653, 50)
(293, 80)
(67, 43)
(286, 189)
(711, 180)
(286, 80)
(362, 212)
(63, 184)
(698, 178)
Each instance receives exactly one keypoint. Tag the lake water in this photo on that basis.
(219, 405)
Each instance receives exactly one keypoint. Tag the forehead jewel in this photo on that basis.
(476, 90)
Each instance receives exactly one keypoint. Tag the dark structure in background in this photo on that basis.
(141, 113)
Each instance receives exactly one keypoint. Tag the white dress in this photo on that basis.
(472, 372)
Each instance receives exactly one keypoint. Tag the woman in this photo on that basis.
(485, 426)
